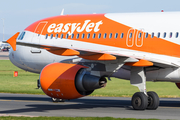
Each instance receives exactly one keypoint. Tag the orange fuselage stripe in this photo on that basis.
(104, 25)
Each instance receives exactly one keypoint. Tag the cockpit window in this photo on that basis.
(21, 36)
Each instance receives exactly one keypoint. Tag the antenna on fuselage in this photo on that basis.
(62, 12)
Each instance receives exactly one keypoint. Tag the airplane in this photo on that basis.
(1, 43)
(4, 45)
(75, 54)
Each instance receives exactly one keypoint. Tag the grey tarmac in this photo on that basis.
(4, 55)
(117, 107)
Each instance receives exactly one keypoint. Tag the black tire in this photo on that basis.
(153, 101)
(139, 101)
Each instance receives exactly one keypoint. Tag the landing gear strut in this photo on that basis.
(142, 100)
(38, 84)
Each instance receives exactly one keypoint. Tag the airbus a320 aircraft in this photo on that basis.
(74, 54)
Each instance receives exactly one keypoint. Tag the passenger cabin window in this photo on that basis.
(88, 36)
(77, 36)
(83, 36)
(158, 35)
(105, 35)
(152, 36)
(67, 35)
(130, 35)
(164, 34)
(94, 35)
(72, 36)
(99, 35)
(110, 35)
(116, 35)
(122, 35)
(51, 36)
(46, 36)
(56, 36)
(177, 34)
(146, 35)
(170, 35)
(140, 34)
(62, 36)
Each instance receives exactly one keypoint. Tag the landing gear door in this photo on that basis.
(37, 36)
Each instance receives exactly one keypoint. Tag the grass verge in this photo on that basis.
(26, 83)
(68, 118)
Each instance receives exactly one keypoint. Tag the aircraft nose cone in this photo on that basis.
(11, 56)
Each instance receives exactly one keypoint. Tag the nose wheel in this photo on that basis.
(141, 102)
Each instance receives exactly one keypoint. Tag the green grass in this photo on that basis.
(123, 88)
(68, 118)
(26, 83)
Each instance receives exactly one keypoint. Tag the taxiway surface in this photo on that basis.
(41, 105)
(4, 55)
